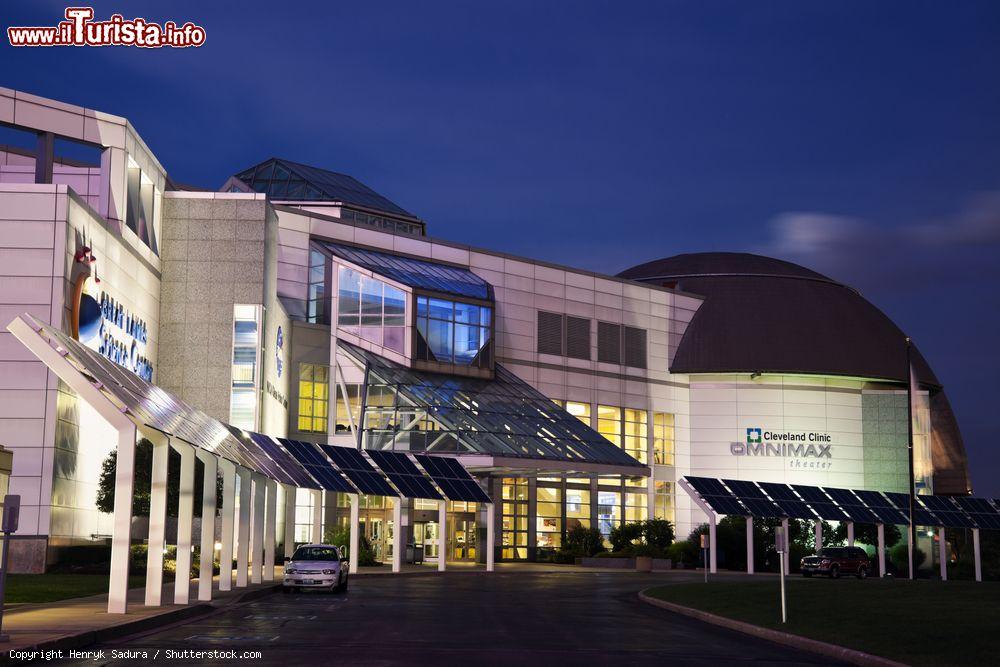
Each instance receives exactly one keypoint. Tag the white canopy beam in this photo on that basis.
(156, 543)
(206, 558)
(243, 526)
(226, 550)
(185, 520)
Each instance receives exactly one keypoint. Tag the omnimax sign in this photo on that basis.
(787, 444)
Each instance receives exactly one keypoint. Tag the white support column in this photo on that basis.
(185, 519)
(207, 558)
(121, 536)
(750, 545)
(491, 537)
(157, 519)
(977, 555)
(942, 554)
(243, 526)
(289, 541)
(850, 533)
(317, 518)
(881, 550)
(226, 549)
(818, 532)
(712, 543)
(442, 535)
(909, 552)
(788, 541)
(353, 547)
(397, 534)
(270, 528)
(257, 529)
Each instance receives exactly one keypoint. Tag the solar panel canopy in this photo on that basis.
(359, 471)
(317, 465)
(454, 480)
(787, 500)
(821, 503)
(852, 505)
(980, 510)
(921, 516)
(404, 475)
(717, 496)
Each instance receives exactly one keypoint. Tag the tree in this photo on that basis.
(582, 541)
(658, 533)
(143, 481)
(867, 533)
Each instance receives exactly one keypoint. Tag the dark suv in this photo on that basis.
(834, 561)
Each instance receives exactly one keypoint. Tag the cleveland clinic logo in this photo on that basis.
(784, 444)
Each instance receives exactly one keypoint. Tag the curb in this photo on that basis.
(795, 641)
(141, 625)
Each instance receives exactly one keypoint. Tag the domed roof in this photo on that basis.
(766, 315)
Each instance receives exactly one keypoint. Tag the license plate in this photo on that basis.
(310, 581)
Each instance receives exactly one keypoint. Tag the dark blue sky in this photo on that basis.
(858, 138)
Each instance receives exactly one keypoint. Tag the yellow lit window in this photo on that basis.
(635, 434)
(314, 401)
(663, 438)
(609, 423)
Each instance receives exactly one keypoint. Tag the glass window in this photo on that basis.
(577, 508)
(609, 423)
(371, 302)
(379, 309)
(246, 348)
(609, 511)
(395, 307)
(635, 434)
(349, 301)
(663, 438)
(314, 401)
(343, 424)
(579, 410)
(514, 519)
(663, 502)
(635, 507)
(548, 517)
(316, 294)
(452, 332)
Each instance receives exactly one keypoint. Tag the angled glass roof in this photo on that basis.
(284, 179)
(416, 273)
(412, 410)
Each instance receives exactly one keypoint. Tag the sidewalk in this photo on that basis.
(77, 622)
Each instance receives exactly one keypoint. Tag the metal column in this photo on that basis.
(977, 555)
(818, 532)
(122, 532)
(156, 542)
(788, 541)
(257, 529)
(226, 549)
(750, 545)
(355, 532)
(850, 533)
(185, 520)
(397, 534)
(289, 538)
(206, 559)
(713, 561)
(442, 535)
(491, 537)
(270, 528)
(317, 517)
(942, 554)
(881, 549)
(243, 527)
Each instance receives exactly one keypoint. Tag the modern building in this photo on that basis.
(298, 302)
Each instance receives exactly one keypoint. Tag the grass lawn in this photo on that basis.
(51, 587)
(919, 623)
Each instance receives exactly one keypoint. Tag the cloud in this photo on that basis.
(946, 252)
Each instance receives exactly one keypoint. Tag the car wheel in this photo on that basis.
(835, 572)
(862, 572)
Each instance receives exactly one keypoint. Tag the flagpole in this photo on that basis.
(909, 448)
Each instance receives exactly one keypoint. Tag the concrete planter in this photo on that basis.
(610, 563)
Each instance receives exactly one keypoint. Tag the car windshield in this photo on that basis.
(315, 553)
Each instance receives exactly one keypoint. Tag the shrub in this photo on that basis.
(649, 550)
(581, 541)
(625, 535)
(658, 533)
(683, 552)
(900, 557)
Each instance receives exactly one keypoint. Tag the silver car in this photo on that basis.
(319, 566)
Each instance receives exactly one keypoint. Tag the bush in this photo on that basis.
(581, 541)
(614, 554)
(625, 535)
(683, 553)
(658, 533)
(649, 550)
(900, 558)
(563, 557)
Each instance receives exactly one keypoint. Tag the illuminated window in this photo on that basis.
(635, 434)
(609, 511)
(663, 438)
(514, 519)
(316, 299)
(246, 351)
(579, 410)
(635, 507)
(663, 502)
(609, 423)
(453, 332)
(353, 402)
(314, 398)
(548, 517)
(577, 508)
(372, 309)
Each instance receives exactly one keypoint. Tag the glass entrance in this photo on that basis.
(462, 536)
(425, 534)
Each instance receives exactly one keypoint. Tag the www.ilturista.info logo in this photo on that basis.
(784, 444)
(80, 29)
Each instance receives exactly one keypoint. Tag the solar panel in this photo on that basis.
(404, 475)
(717, 496)
(743, 489)
(882, 508)
(921, 516)
(359, 471)
(947, 512)
(453, 478)
(795, 509)
(821, 503)
(294, 469)
(779, 491)
(318, 467)
(982, 512)
(852, 505)
(750, 495)
(262, 462)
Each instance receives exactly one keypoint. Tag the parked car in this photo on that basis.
(834, 561)
(316, 566)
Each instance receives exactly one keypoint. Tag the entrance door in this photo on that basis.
(425, 534)
(463, 537)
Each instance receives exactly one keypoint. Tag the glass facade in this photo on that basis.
(577, 507)
(548, 517)
(663, 502)
(453, 332)
(316, 297)
(246, 355)
(314, 398)
(636, 434)
(351, 403)
(371, 309)
(663, 438)
(514, 519)
(609, 511)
